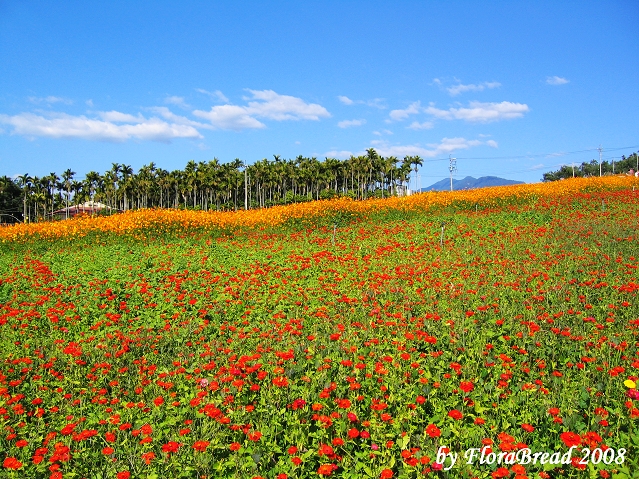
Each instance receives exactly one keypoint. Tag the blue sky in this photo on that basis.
(511, 89)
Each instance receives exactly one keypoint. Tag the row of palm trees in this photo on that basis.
(220, 186)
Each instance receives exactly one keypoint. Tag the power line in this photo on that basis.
(537, 155)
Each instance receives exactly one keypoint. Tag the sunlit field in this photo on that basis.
(446, 335)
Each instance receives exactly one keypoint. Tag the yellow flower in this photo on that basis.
(629, 384)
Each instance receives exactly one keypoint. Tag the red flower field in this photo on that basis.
(341, 340)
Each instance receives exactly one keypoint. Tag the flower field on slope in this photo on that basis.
(247, 345)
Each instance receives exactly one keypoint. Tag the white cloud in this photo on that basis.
(537, 167)
(119, 117)
(284, 107)
(177, 101)
(478, 112)
(555, 80)
(427, 125)
(431, 150)
(349, 123)
(412, 109)
(492, 144)
(216, 95)
(263, 104)
(167, 114)
(460, 88)
(50, 100)
(110, 126)
(89, 103)
(375, 102)
(230, 117)
(338, 154)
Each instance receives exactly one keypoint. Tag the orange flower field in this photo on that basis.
(140, 220)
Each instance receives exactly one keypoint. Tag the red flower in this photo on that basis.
(292, 450)
(296, 460)
(466, 386)
(353, 433)
(11, 463)
(200, 446)
(280, 381)
(255, 436)
(123, 475)
(570, 439)
(433, 431)
(158, 401)
(170, 447)
(386, 474)
(235, 446)
(325, 450)
(501, 472)
(455, 414)
(107, 450)
(527, 427)
(147, 457)
(110, 437)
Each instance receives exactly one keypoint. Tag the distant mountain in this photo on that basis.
(470, 183)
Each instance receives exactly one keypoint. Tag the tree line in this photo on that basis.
(594, 168)
(209, 185)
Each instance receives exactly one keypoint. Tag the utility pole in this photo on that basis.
(245, 188)
(452, 167)
(600, 149)
(573, 169)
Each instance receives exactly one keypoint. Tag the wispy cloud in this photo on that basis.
(216, 95)
(177, 101)
(50, 100)
(338, 154)
(426, 125)
(478, 112)
(265, 104)
(107, 126)
(350, 123)
(537, 167)
(382, 132)
(430, 150)
(555, 80)
(402, 114)
(455, 90)
(374, 103)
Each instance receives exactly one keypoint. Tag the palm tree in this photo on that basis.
(25, 182)
(67, 177)
(415, 161)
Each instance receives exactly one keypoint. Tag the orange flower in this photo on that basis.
(326, 469)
